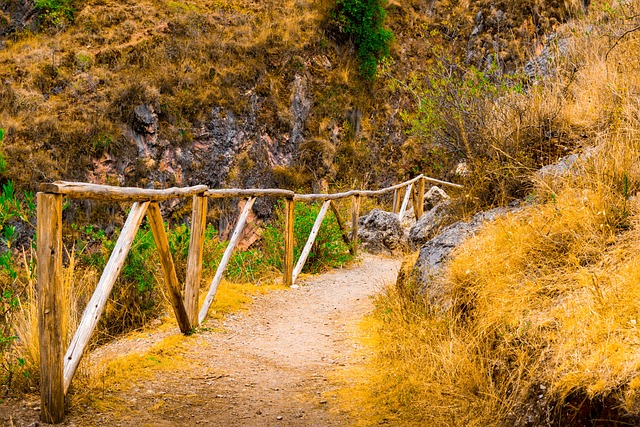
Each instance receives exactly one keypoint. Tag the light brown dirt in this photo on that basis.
(268, 368)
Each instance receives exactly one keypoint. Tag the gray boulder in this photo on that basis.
(573, 164)
(434, 254)
(381, 232)
(427, 226)
(434, 197)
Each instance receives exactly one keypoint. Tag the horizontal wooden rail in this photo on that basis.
(437, 181)
(337, 196)
(250, 192)
(79, 190)
(325, 197)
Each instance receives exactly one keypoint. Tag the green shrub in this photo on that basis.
(328, 251)
(3, 161)
(134, 299)
(14, 278)
(56, 12)
(363, 22)
(477, 117)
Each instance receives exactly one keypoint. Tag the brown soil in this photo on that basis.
(268, 368)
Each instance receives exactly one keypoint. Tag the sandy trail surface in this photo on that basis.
(268, 368)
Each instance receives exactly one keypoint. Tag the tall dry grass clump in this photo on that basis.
(541, 324)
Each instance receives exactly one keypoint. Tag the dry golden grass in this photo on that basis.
(544, 302)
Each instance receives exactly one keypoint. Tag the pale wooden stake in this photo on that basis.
(168, 268)
(101, 294)
(418, 199)
(355, 216)
(405, 202)
(289, 218)
(310, 240)
(194, 261)
(225, 259)
(50, 307)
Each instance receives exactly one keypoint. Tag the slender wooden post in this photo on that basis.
(194, 261)
(418, 199)
(355, 216)
(343, 232)
(50, 307)
(394, 207)
(99, 298)
(168, 268)
(405, 202)
(225, 259)
(289, 217)
(312, 238)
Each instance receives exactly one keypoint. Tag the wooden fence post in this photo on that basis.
(355, 216)
(50, 307)
(194, 260)
(289, 217)
(396, 197)
(418, 199)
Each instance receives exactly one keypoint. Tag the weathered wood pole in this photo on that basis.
(168, 268)
(418, 199)
(355, 216)
(312, 238)
(99, 298)
(396, 196)
(343, 232)
(405, 202)
(289, 218)
(213, 288)
(50, 307)
(194, 260)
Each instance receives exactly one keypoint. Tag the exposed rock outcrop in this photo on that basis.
(381, 232)
(427, 226)
(425, 273)
(434, 197)
(16, 15)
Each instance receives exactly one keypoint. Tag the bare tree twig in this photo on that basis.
(626, 33)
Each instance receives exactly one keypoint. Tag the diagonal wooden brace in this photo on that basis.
(101, 294)
(168, 268)
(312, 238)
(213, 288)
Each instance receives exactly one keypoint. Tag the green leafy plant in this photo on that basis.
(328, 251)
(3, 161)
(56, 12)
(363, 22)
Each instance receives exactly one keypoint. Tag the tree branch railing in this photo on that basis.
(57, 365)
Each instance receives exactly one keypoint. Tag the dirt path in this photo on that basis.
(269, 367)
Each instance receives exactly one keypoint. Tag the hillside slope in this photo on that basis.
(237, 93)
(533, 321)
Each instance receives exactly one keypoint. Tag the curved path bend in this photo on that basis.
(269, 367)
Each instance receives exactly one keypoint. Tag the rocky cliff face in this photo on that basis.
(17, 15)
(228, 95)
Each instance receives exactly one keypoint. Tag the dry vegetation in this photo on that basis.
(543, 300)
(541, 325)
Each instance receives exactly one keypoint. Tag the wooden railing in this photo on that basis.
(57, 366)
